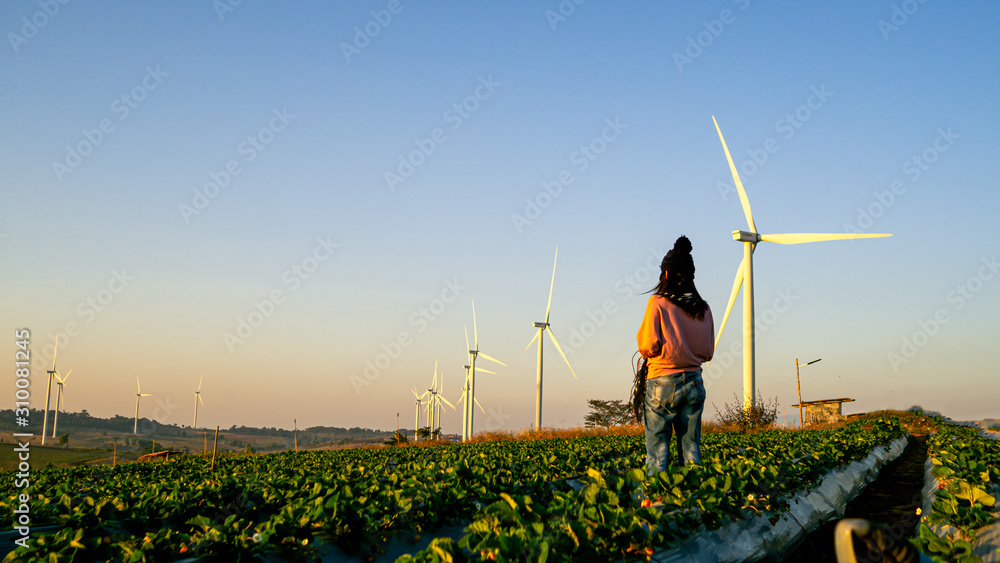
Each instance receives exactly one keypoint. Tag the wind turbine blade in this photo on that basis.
(200, 380)
(475, 331)
(552, 284)
(145, 394)
(67, 375)
(480, 406)
(54, 353)
(200, 400)
(446, 402)
(481, 370)
(732, 300)
(137, 386)
(492, 359)
(736, 178)
(533, 339)
(556, 342)
(435, 380)
(799, 238)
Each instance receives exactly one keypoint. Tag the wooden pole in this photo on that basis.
(153, 451)
(215, 447)
(204, 449)
(296, 423)
(799, 387)
(114, 456)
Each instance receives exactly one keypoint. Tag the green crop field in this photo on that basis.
(551, 499)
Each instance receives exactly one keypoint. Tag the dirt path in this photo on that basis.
(892, 499)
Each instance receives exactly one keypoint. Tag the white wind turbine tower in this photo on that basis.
(48, 393)
(473, 354)
(431, 403)
(744, 275)
(139, 395)
(437, 398)
(542, 327)
(416, 421)
(466, 393)
(59, 393)
(197, 399)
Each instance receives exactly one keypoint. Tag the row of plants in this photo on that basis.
(520, 496)
(966, 466)
(630, 516)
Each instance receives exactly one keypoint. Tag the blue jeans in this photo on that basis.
(674, 403)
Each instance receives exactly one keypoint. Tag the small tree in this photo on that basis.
(607, 413)
(760, 414)
(397, 439)
(63, 439)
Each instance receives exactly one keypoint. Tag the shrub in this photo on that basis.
(761, 414)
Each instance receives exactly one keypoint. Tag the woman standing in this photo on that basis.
(676, 337)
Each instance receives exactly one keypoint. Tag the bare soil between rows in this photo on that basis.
(892, 499)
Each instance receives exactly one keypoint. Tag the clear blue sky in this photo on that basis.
(118, 238)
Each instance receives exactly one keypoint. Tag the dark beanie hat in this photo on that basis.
(678, 260)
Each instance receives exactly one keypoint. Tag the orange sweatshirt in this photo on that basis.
(671, 340)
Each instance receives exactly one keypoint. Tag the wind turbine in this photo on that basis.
(438, 398)
(744, 275)
(473, 354)
(466, 393)
(542, 327)
(416, 421)
(139, 395)
(59, 393)
(48, 392)
(197, 399)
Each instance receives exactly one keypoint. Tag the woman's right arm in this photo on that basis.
(649, 338)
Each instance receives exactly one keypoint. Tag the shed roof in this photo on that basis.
(823, 402)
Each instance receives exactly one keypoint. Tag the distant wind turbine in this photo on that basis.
(543, 327)
(473, 354)
(744, 275)
(48, 393)
(416, 421)
(197, 399)
(59, 393)
(438, 398)
(139, 395)
(466, 393)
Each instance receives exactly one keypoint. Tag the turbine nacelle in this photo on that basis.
(746, 236)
